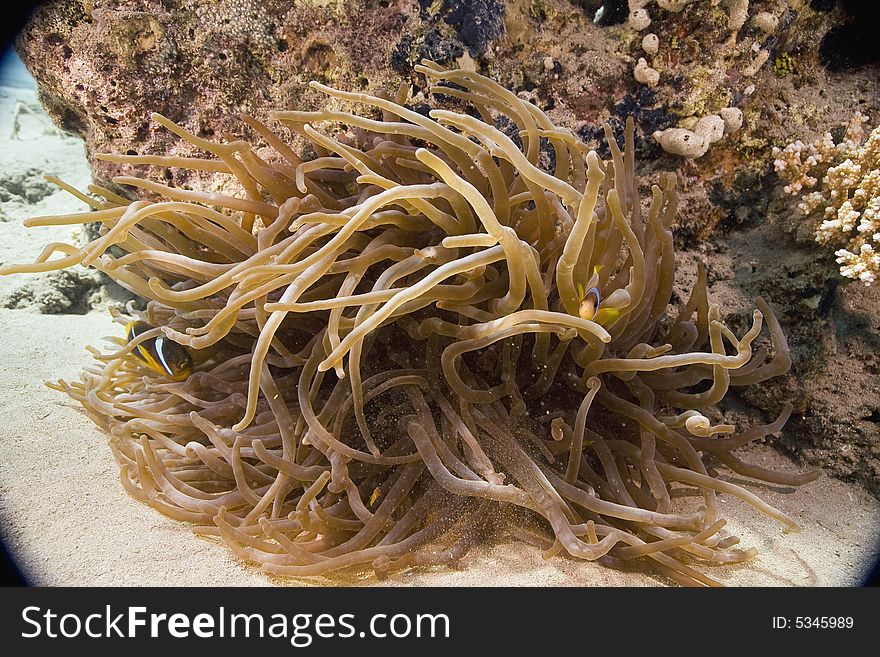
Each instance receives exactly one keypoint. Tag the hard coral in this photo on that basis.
(848, 195)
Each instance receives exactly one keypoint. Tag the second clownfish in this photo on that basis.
(161, 354)
(591, 301)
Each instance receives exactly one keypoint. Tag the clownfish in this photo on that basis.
(591, 302)
(375, 496)
(161, 354)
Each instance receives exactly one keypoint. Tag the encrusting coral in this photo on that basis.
(417, 338)
(699, 59)
(848, 194)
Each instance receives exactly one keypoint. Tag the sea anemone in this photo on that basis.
(416, 338)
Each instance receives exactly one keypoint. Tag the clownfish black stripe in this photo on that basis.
(160, 353)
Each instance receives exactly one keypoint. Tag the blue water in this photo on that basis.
(13, 73)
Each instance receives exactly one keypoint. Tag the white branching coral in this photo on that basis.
(845, 179)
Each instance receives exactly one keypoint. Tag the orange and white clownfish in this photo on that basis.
(591, 303)
(161, 354)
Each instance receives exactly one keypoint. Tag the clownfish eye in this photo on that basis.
(161, 354)
(590, 304)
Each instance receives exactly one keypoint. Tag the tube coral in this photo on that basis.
(415, 338)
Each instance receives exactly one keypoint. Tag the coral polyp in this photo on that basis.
(417, 339)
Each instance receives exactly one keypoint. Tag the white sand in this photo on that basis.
(66, 518)
(39, 150)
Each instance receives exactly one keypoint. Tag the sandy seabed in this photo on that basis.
(67, 521)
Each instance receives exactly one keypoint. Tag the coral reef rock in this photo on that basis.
(103, 67)
(56, 293)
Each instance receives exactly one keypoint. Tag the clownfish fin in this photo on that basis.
(606, 316)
